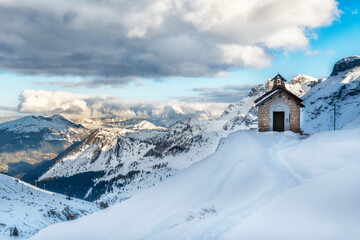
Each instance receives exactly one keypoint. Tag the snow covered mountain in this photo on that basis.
(61, 127)
(34, 139)
(302, 83)
(342, 89)
(145, 125)
(268, 181)
(30, 209)
(113, 165)
(125, 163)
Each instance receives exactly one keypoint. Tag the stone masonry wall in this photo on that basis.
(264, 112)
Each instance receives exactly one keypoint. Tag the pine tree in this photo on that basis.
(14, 232)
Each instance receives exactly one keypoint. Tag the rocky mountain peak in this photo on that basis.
(258, 89)
(145, 125)
(345, 64)
(302, 78)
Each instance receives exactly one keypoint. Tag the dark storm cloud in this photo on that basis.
(94, 82)
(110, 41)
(55, 44)
(226, 94)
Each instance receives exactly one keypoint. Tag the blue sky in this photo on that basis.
(327, 44)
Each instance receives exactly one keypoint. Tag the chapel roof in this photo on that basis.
(277, 89)
(279, 77)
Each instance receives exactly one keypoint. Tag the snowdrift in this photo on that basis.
(255, 186)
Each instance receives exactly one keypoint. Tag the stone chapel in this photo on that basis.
(278, 109)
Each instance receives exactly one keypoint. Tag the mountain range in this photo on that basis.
(112, 164)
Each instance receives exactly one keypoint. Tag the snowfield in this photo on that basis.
(30, 209)
(255, 186)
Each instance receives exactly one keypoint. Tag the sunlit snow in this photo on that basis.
(255, 186)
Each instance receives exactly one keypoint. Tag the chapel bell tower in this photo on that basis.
(277, 81)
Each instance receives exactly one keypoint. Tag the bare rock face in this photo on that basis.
(345, 64)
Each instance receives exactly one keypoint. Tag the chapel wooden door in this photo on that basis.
(278, 121)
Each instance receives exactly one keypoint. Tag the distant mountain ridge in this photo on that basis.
(34, 139)
(36, 124)
(145, 125)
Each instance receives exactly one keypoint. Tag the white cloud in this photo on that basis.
(246, 56)
(287, 39)
(312, 53)
(136, 33)
(316, 52)
(330, 53)
(40, 101)
(78, 106)
(153, 38)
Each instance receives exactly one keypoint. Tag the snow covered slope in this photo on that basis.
(30, 209)
(342, 89)
(255, 186)
(34, 139)
(311, 211)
